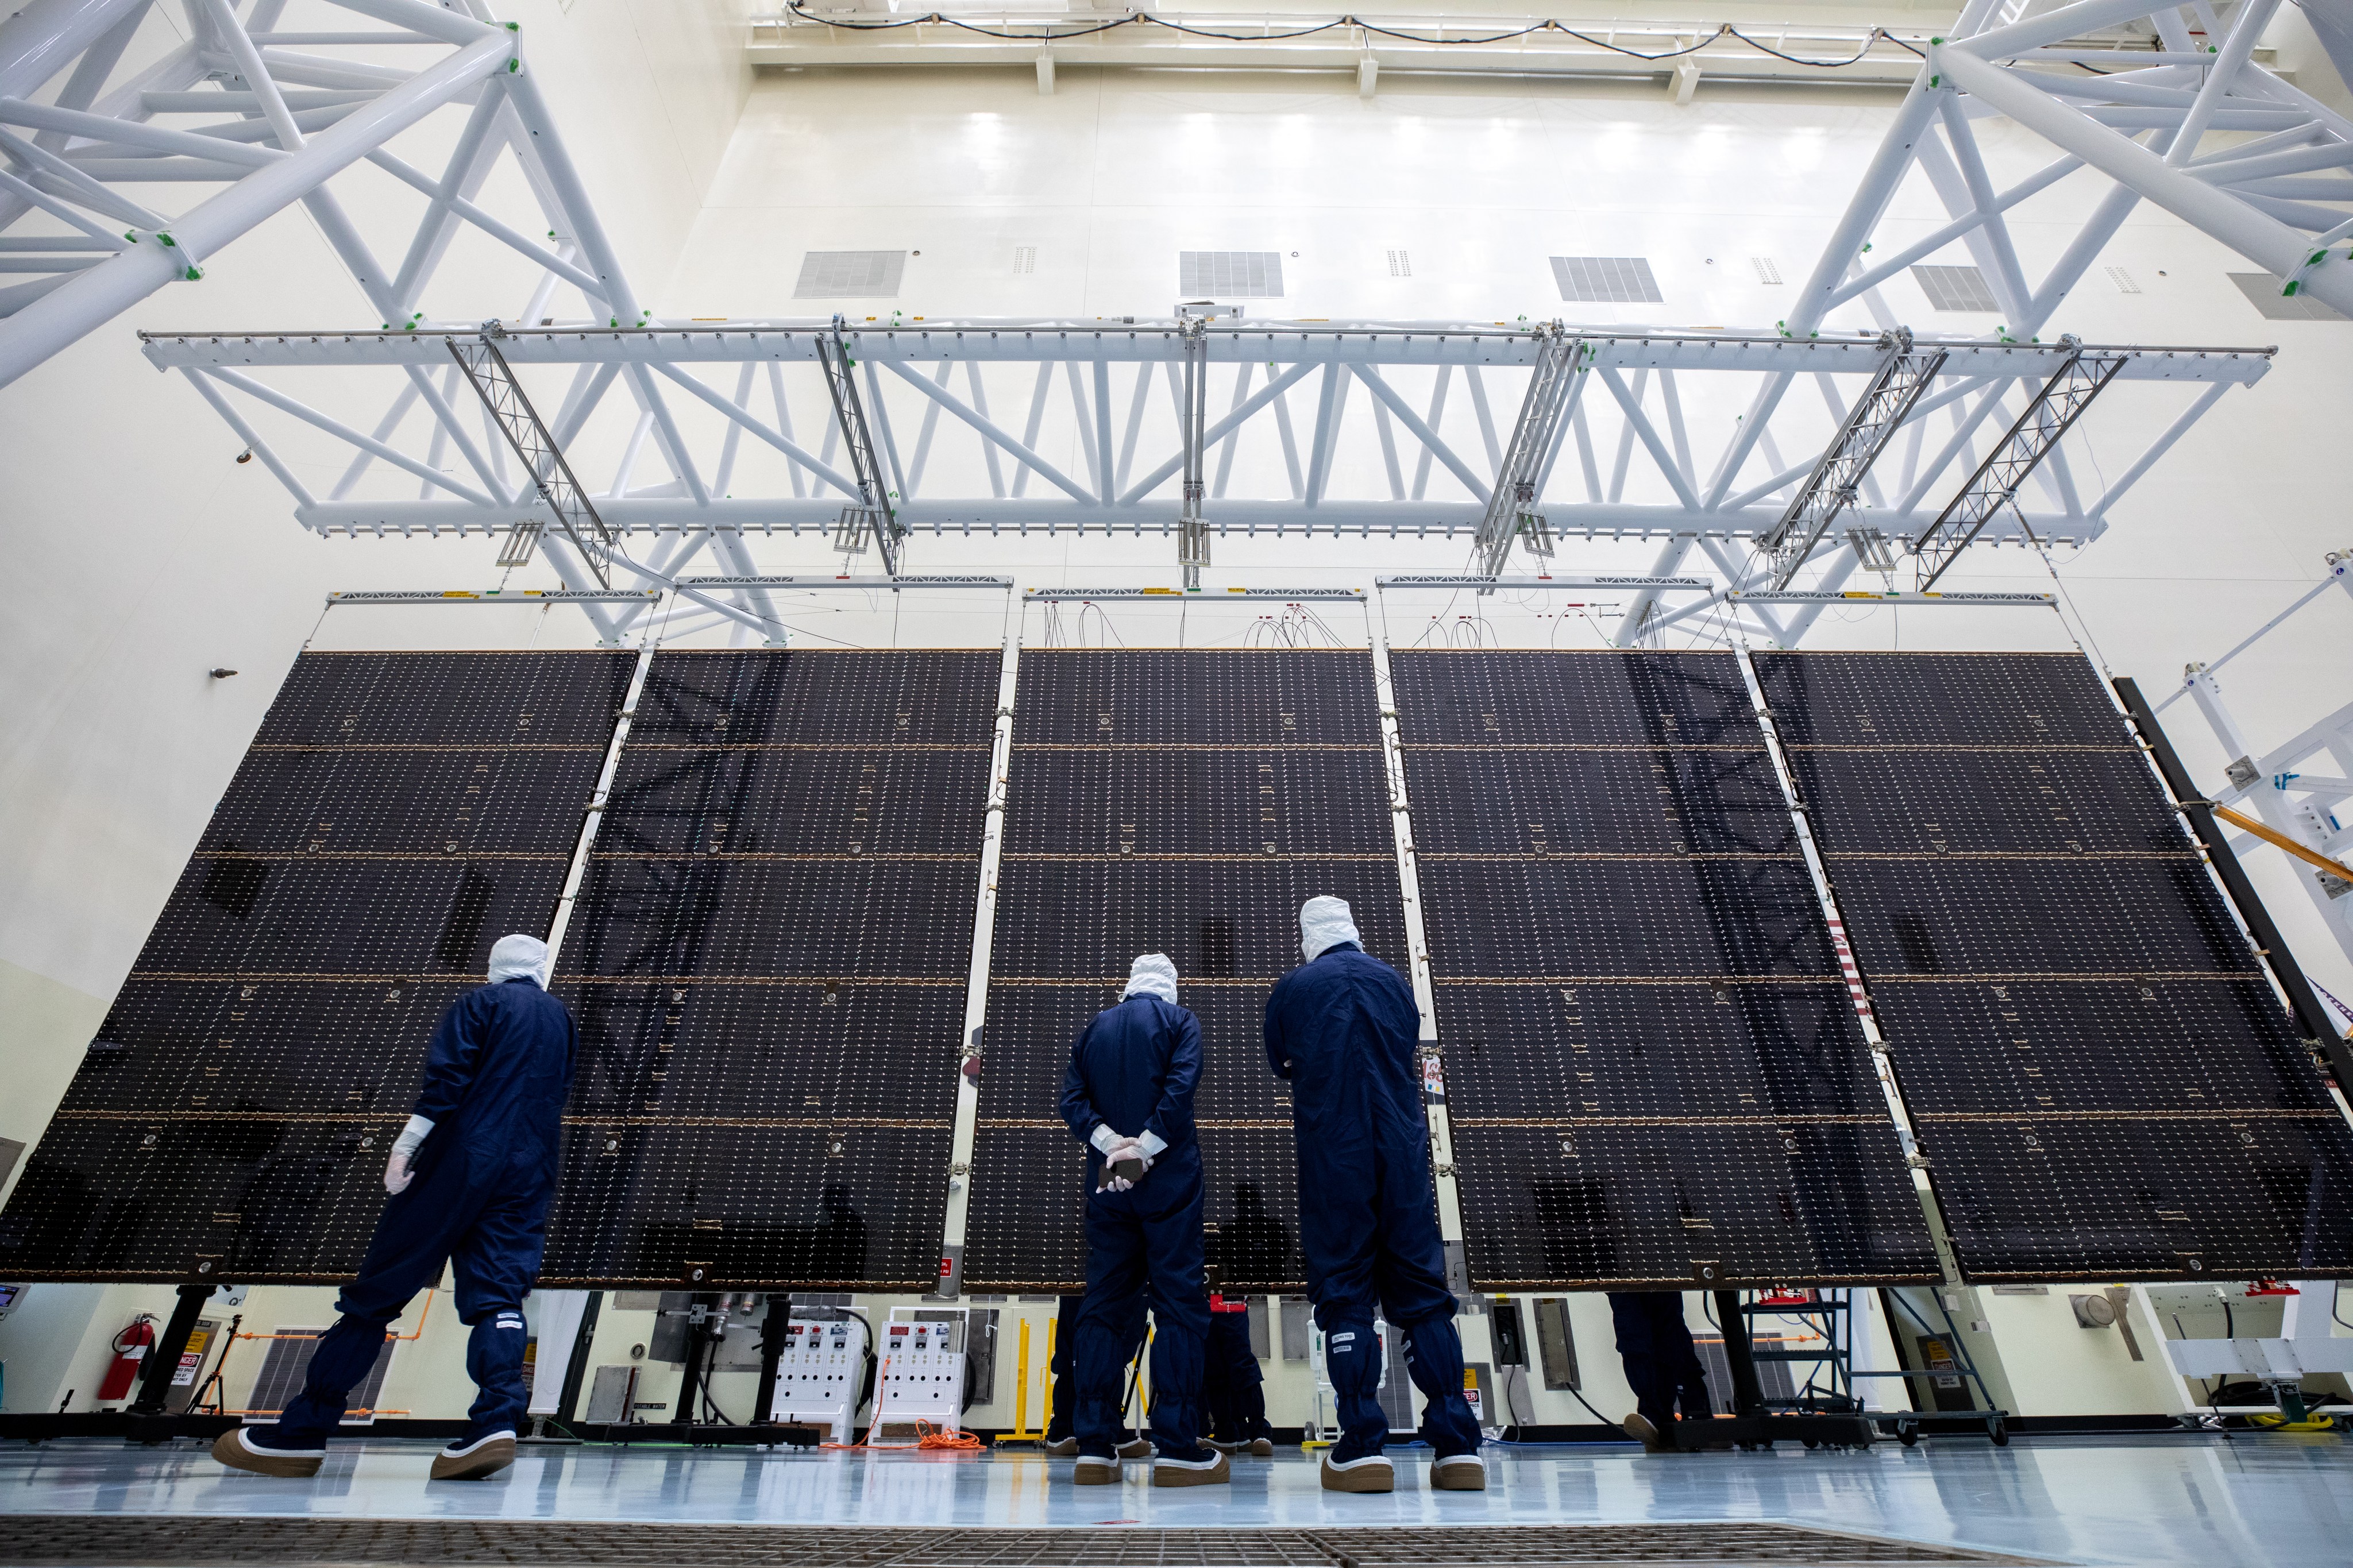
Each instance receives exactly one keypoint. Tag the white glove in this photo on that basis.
(1125, 1151)
(396, 1173)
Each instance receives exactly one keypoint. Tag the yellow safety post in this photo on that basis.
(1021, 1433)
(1052, 1324)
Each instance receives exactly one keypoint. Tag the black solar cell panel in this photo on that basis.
(768, 964)
(1184, 802)
(1650, 1062)
(1519, 698)
(2103, 1080)
(397, 813)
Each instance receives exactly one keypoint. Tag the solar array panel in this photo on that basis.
(2102, 1076)
(1177, 802)
(397, 814)
(768, 962)
(1653, 1068)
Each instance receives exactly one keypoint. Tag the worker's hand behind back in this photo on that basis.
(1112, 1157)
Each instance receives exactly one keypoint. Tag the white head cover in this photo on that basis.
(1324, 924)
(1152, 975)
(517, 956)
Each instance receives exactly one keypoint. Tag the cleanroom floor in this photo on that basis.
(2275, 1500)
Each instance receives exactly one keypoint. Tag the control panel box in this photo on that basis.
(820, 1375)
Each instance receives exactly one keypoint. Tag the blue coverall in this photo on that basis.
(1135, 1070)
(1343, 1029)
(1654, 1342)
(1063, 1365)
(496, 1077)
(1230, 1376)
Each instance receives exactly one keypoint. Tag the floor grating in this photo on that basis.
(70, 1539)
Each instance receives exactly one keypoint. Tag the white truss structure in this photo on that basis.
(2302, 789)
(259, 115)
(2277, 188)
(1394, 430)
(1397, 430)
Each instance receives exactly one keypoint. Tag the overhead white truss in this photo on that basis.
(255, 116)
(1394, 430)
(1400, 429)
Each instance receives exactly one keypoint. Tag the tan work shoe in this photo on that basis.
(289, 1464)
(1065, 1448)
(1094, 1470)
(1638, 1428)
(1370, 1474)
(481, 1458)
(1168, 1472)
(1136, 1449)
(1459, 1473)
(1259, 1449)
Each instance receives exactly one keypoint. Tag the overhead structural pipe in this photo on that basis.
(44, 37)
(2265, 241)
(98, 294)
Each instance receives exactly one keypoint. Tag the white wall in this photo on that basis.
(146, 557)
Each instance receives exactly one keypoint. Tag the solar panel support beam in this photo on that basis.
(873, 515)
(493, 380)
(1883, 1060)
(2328, 1046)
(1425, 994)
(1830, 488)
(976, 992)
(1511, 508)
(1192, 530)
(2016, 456)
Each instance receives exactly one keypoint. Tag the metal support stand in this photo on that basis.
(1740, 1355)
(774, 1324)
(700, 1341)
(1511, 514)
(494, 382)
(873, 517)
(1902, 376)
(575, 1366)
(2016, 456)
(164, 1362)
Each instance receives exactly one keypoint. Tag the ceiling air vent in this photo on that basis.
(1230, 274)
(850, 274)
(1401, 264)
(1025, 258)
(2125, 281)
(1607, 280)
(1955, 287)
(1768, 272)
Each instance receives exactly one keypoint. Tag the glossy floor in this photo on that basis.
(2272, 1500)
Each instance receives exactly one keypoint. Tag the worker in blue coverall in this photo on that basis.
(1343, 1028)
(1062, 1366)
(470, 1179)
(1128, 1096)
(1231, 1381)
(1654, 1343)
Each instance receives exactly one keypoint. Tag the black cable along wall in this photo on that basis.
(1652, 1063)
(396, 816)
(2104, 1081)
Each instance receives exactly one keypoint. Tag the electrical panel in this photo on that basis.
(2103, 1080)
(1652, 1070)
(767, 963)
(920, 1378)
(1185, 801)
(396, 815)
(820, 1375)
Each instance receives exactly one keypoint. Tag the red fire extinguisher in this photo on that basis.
(131, 1348)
